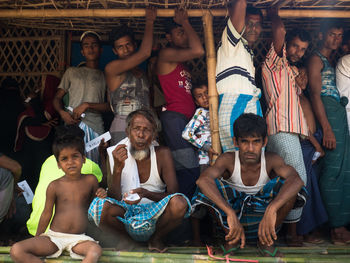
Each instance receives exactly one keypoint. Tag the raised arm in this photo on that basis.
(207, 185)
(119, 66)
(278, 31)
(315, 82)
(195, 48)
(47, 212)
(237, 11)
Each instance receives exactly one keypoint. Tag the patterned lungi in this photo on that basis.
(140, 219)
(249, 209)
(231, 106)
(287, 145)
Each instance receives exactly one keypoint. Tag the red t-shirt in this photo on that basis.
(177, 87)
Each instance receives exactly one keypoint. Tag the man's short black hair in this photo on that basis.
(169, 25)
(249, 125)
(302, 34)
(68, 141)
(119, 32)
(251, 10)
(330, 23)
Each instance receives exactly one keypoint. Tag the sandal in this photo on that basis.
(228, 251)
(264, 252)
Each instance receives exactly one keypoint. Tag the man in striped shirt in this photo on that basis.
(284, 115)
(235, 72)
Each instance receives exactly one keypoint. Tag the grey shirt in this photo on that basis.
(85, 85)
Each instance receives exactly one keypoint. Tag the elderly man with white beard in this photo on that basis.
(142, 199)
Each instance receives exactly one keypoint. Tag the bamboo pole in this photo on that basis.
(113, 13)
(213, 94)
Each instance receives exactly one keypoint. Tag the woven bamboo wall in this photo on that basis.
(27, 54)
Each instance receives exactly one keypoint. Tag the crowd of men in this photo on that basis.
(288, 164)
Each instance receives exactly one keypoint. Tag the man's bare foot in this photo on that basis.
(156, 245)
(294, 240)
(312, 238)
(340, 236)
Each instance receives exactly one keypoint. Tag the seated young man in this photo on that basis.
(251, 191)
(69, 196)
(139, 167)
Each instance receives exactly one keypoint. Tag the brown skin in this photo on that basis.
(129, 58)
(185, 45)
(240, 20)
(92, 51)
(331, 42)
(250, 154)
(301, 81)
(71, 196)
(141, 134)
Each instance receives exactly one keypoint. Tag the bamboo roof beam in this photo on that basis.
(113, 13)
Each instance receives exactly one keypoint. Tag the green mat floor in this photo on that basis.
(316, 254)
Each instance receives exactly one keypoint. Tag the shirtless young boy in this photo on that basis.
(71, 196)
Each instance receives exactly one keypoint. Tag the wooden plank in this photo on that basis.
(112, 13)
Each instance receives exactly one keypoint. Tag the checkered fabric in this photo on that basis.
(250, 209)
(287, 145)
(140, 219)
(231, 106)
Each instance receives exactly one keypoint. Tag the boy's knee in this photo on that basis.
(95, 251)
(16, 251)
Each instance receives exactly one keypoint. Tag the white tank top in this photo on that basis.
(236, 179)
(154, 182)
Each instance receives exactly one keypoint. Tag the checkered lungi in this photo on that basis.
(140, 219)
(287, 145)
(249, 209)
(231, 106)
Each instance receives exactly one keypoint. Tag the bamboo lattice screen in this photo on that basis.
(26, 54)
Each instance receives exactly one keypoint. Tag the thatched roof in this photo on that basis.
(80, 14)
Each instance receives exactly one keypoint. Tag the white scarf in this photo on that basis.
(130, 175)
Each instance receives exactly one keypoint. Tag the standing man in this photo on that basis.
(284, 115)
(127, 84)
(86, 88)
(175, 80)
(235, 72)
(330, 112)
(343, 74)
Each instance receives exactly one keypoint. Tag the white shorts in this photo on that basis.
(66, 242)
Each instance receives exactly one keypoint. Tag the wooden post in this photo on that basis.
(213, 95)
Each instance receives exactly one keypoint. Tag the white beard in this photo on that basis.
(139, 155)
